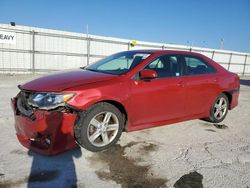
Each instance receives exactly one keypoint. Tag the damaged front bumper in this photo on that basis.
(42, 131)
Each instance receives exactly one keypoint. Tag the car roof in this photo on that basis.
(155, 51)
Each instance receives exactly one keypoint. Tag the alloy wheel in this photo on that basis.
(103, 129)
(220, 108)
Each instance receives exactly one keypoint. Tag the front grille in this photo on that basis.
(22, 105)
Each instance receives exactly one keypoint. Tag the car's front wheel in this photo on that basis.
(219, 109)
(99, 127)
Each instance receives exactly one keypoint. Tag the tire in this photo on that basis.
(219, 109)
(99, 127)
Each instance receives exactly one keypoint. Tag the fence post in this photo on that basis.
(212, 55)
(33, 51)
(245, 63)
(229, 62)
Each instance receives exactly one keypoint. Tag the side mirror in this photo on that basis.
(148, 74)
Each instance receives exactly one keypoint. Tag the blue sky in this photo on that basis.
(194, 22)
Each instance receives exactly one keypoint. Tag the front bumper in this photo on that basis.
(46, 132)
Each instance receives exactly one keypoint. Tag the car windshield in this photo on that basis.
(119, 63)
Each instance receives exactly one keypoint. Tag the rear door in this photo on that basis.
(201, 84)
(162, 98)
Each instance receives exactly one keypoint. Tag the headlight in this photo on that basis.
(49, 100)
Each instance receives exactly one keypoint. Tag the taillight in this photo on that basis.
(237, 81)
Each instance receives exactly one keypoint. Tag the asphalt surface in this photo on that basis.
(188, 154)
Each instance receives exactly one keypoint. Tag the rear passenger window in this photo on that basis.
(165, 66)
(196, 66)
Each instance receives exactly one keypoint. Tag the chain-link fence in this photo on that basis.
(44, 50)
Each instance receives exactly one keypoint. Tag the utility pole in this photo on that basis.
(221, 43)
(203, 43)
(87, 30)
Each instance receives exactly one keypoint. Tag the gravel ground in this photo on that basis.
(188, 154)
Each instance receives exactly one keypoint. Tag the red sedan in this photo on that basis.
(126, 91)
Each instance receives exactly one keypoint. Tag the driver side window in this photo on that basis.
(165, 66)
(156, 64)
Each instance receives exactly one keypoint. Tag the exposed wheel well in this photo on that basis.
(121, 108)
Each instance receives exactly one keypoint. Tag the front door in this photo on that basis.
(159, 99)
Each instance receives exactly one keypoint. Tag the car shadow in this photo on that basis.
(245, 82)
(52, 171)
(58, 170)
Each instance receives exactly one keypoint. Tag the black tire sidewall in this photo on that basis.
(81, 128)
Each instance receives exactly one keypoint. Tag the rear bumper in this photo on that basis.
(235, 96)
(47, 132)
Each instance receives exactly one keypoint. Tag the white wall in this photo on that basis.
(38, 49)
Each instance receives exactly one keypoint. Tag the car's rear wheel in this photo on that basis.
(99, 127)
(219, 109)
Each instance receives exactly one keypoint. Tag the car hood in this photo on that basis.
(65, 80)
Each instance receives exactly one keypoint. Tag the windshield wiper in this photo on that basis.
(94, 70)
(102, 71)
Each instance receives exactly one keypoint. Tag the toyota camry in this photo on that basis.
(127, 91)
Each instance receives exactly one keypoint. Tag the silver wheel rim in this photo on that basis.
(103, 129)
(220, 108)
